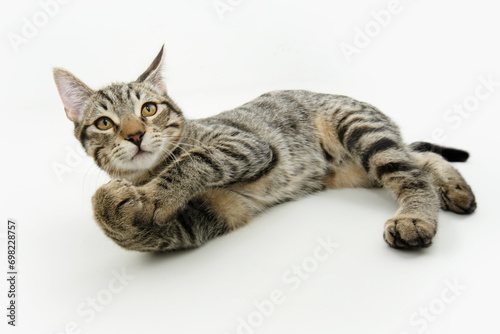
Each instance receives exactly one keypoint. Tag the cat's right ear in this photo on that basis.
(74, 94)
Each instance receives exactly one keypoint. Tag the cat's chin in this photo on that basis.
(142, 155)
(142, 160)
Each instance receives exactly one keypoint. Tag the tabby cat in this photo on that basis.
(177, 183)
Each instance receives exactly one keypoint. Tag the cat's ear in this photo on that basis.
(153, 74)
(74, 93)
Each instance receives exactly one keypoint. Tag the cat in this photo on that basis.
(177, 183)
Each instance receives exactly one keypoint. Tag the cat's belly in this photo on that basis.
(280, 187)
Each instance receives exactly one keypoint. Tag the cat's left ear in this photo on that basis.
(153, 74)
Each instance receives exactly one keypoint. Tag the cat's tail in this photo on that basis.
(450, 154)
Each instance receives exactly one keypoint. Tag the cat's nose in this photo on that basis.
(136, 138)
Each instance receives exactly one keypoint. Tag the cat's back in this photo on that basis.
(284, 106)
(285, 112)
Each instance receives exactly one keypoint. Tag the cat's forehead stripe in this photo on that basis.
(104, 96)
(103, 106)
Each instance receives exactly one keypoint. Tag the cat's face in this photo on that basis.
(125, 127)
(129, 127)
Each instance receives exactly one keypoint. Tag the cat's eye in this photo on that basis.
(104, 123)
(148, 109)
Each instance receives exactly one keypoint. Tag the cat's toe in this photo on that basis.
(406, 232)
(121, 189)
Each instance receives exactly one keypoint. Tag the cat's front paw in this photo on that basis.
(407, 232)
(116, 205)
(161, 204)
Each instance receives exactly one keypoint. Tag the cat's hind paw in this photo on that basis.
(407, 232)
(458, 197)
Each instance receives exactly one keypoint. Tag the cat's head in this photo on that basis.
(125, 127)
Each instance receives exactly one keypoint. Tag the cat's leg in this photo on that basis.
(456, 195)
(375, 145)
(415, 223)
(126, 215)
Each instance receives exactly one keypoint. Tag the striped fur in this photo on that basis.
(197, 179)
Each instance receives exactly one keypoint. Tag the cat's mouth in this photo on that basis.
(141, 154)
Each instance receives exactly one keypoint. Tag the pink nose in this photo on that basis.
(136, 138)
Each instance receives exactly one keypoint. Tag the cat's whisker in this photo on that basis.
(193, 139)
(187, 153)
(85, 179)
(195, 146)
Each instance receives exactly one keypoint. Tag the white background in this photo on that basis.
(430, 56)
